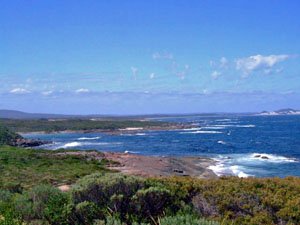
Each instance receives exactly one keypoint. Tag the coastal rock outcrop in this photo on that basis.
(28, 143)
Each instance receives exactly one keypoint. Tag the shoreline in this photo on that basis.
(159, 166)
(153, 166)
(128, 130)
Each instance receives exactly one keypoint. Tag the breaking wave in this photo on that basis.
(88, 138)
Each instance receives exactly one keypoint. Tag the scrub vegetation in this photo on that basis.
(56, 125)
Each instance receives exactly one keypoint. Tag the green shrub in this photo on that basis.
(151, 203)
(7, 137)
(42, 202)
(185, 220)
(8, 215)
(112, 221)
(111, 193)
(86, 212)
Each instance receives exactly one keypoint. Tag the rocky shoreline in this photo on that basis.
(152, 166)
(28, 143)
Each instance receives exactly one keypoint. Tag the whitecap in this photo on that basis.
(88, 138)
(233, 125)
(223, 120)
(238, 172)
(71, 144)
(220, 169)
(140, 134)
(192, 129)
(130, 152)
(271, 158)
(126, 134)
(222, 142)
(214, 127)
(79, 144)
(202, 132)
(248, 125)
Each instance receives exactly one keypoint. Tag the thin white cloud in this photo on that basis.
(152, 75)
(19, 91)
(164, 55)
(82, 90)
(259, 62)
(223, 62)
(134, 71)
(216, 74)
(46, 93)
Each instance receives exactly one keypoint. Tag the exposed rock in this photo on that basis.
(22, 142)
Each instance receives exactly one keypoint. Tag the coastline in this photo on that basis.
(158, 166)
(128, 130)
(152, 166)
(141, 165)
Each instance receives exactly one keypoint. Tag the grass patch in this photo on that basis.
(28, 167)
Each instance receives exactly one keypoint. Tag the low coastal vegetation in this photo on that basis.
(31, 181)
(56, 125)
(112, 198)
(7, 137)
(23, 168)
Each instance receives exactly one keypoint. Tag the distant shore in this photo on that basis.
(128, 130)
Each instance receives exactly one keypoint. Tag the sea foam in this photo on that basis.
(271, 158)
(88, 138)
(202, 132)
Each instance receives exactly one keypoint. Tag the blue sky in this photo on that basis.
(136, 57)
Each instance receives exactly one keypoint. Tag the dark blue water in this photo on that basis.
(260, 146)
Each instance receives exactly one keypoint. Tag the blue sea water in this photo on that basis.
(261, 146)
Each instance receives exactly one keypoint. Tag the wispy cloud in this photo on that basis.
(152, 75)
(134, 71)
(82, 90)
(47, 93)
(224, 62)
(216, 74)
(259, 63)
(163, 55)
(19, 91)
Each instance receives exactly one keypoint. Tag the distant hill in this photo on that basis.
(287, 111)
(13, 114)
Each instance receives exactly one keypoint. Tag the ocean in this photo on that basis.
(244, 146)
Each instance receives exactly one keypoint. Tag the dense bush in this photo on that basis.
(7, 137)
(42, 203)
(242, 201)
(126, 196)
(116, 199)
